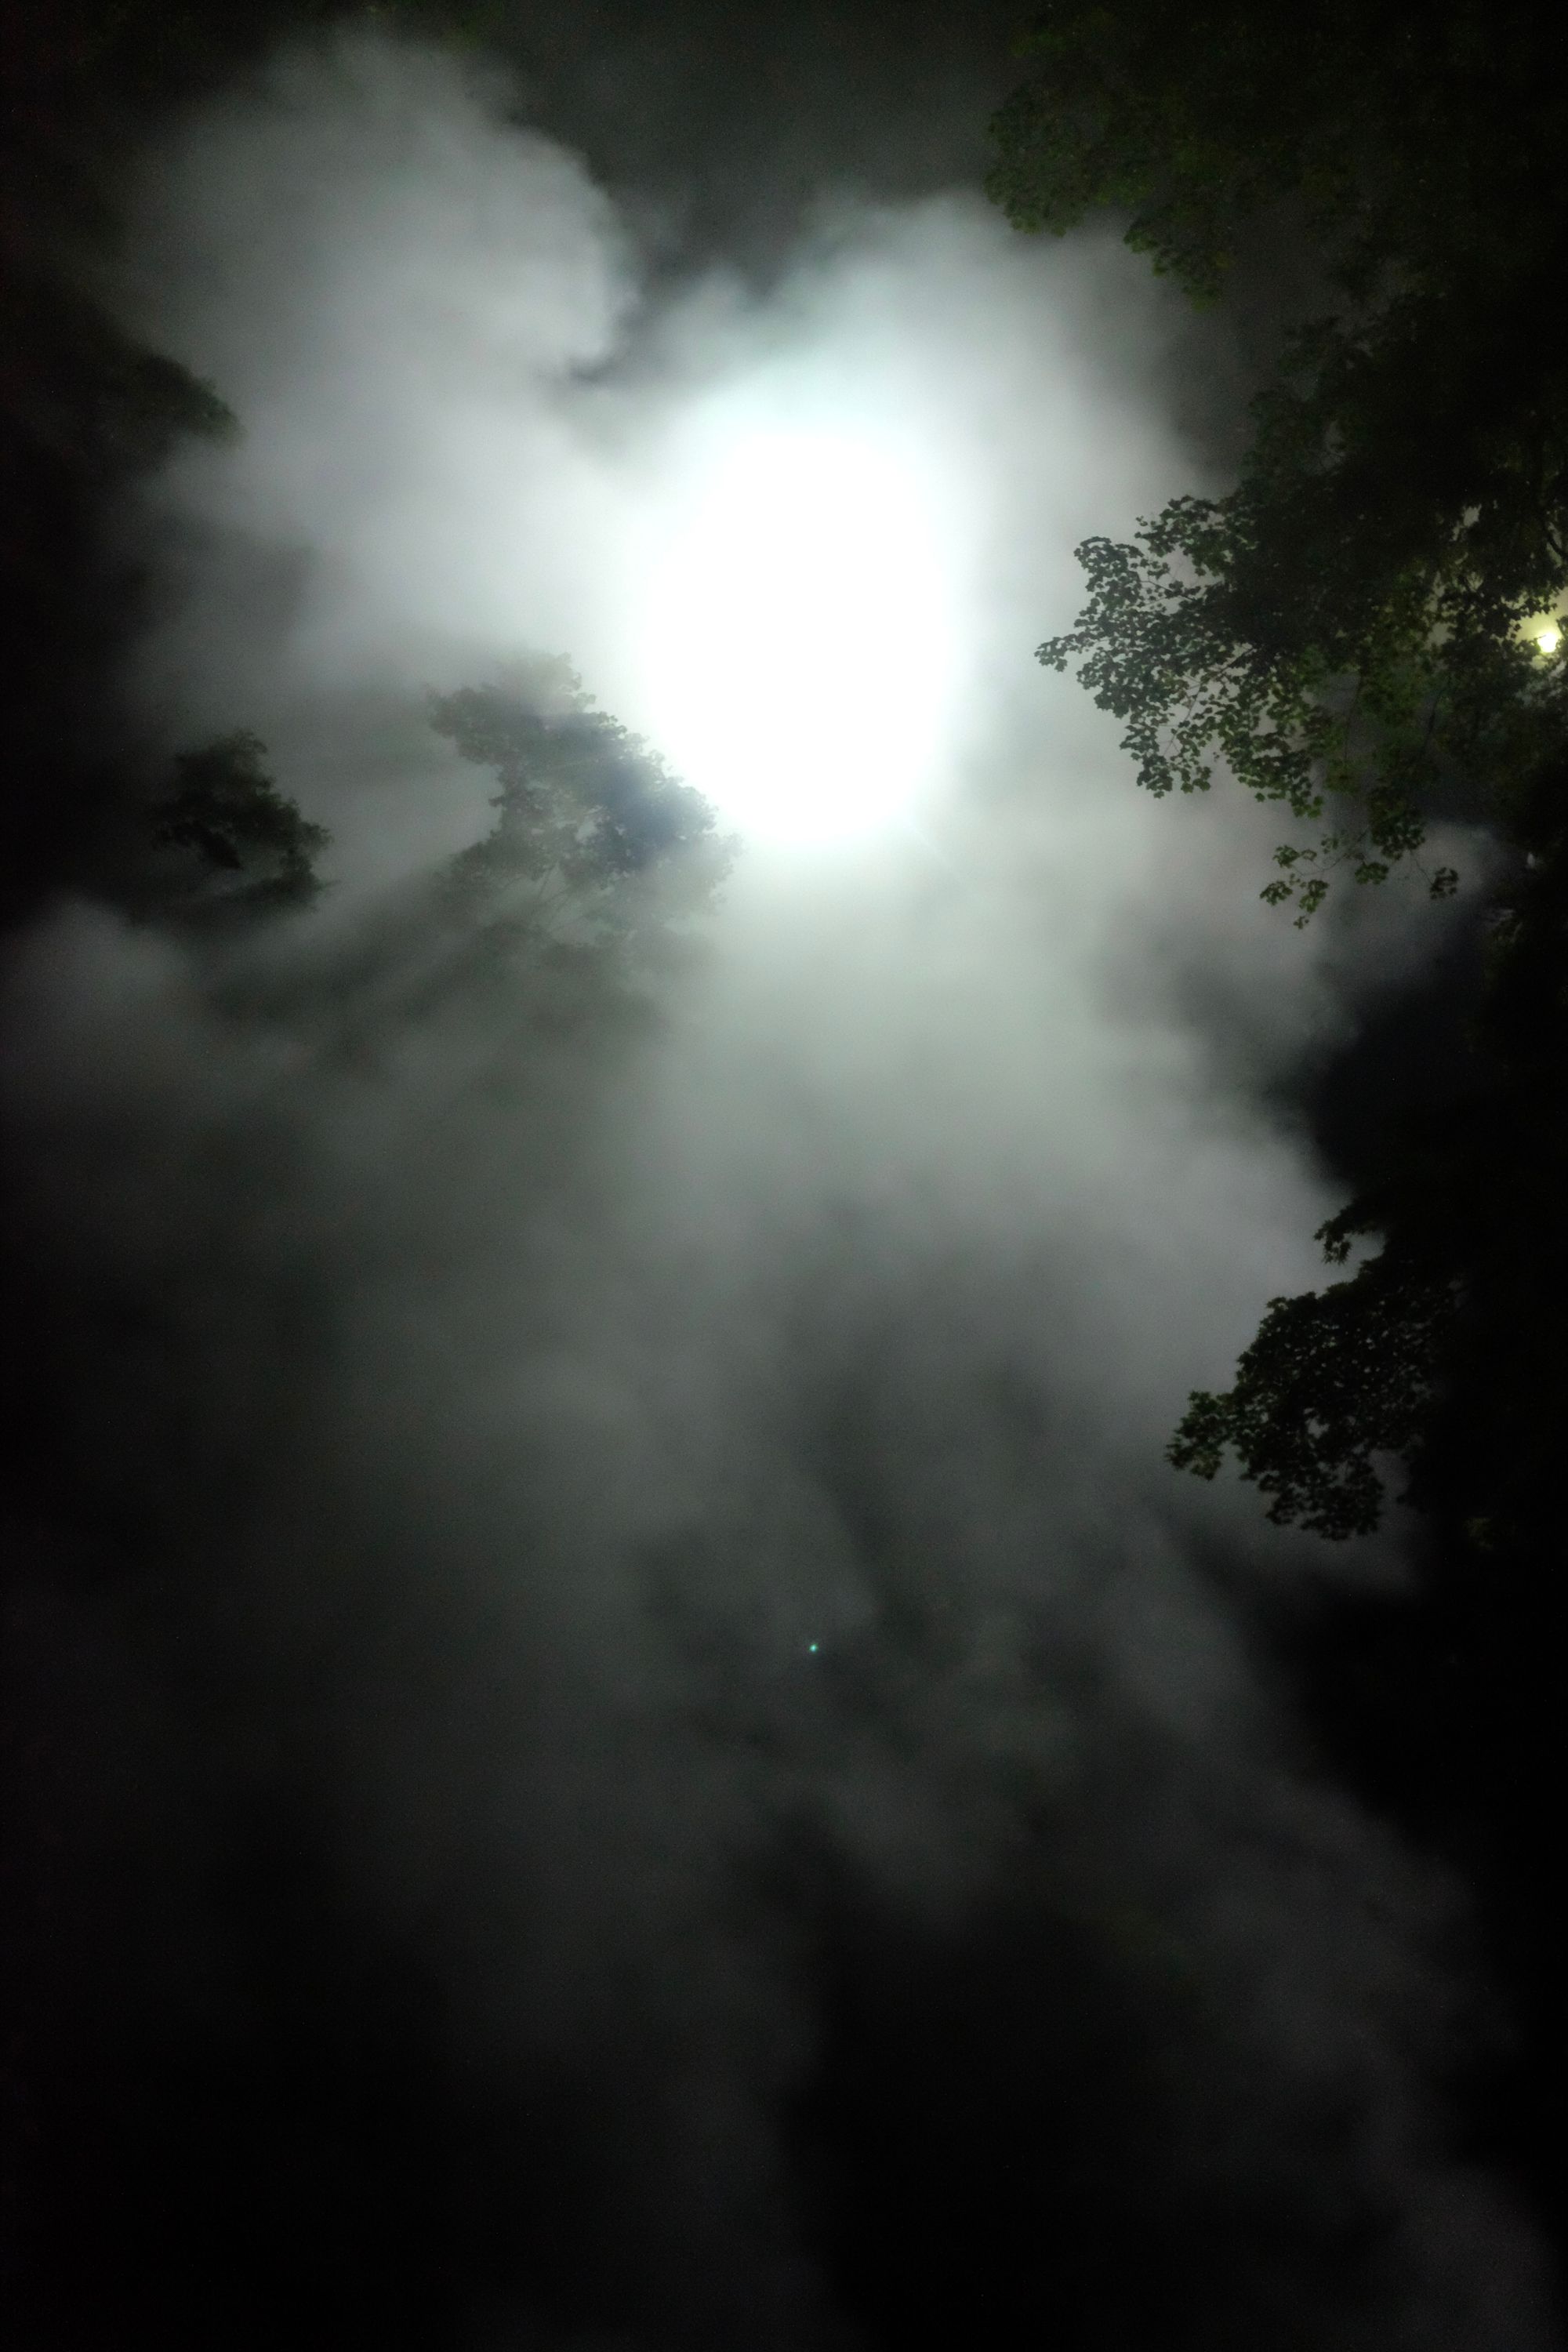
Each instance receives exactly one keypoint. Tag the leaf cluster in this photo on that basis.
(1251, 634)
(91, 395)
(1334, 1379)
(1350, 632)
(1448, 1348)
(1407, 140)
(245, 846)
(1344, 632)
(587, 813)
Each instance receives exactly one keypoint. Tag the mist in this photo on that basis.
(662, 1630)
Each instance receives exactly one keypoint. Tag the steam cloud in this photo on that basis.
(668, 1524)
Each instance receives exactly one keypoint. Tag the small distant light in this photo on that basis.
(814, 1647)
(1548, 640)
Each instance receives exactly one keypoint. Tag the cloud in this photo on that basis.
(473, 1433)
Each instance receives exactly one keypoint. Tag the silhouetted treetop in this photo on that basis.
(1415, 143)
(1369, 630)
(1353, 630)
(249, 846)
(585, 808)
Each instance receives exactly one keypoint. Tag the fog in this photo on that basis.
(660, 1522)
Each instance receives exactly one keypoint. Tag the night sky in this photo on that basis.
(618, 1738)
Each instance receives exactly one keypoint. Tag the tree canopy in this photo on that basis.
(1363, 629)
(585, 808)
(1414, 142)
(597, 855)
(1367, 630)
(245, 846)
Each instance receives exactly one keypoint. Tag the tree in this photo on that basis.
(585, 887)
(1365, 630)
(1355, 630)
(1445, 1349)
(1333, 1379)
(245, 845)
(1362, 630)
(598, 855)
(84, 408)
(587, 814)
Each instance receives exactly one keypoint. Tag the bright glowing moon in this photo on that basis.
(1548, 640)
(801, 648)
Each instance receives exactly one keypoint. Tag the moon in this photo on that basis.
(800, 643)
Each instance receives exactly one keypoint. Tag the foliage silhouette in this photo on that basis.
(1445, 1349)
(584, 807)
(1350, 630)
(598, 854)
(1362, 630)
(249, 846)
